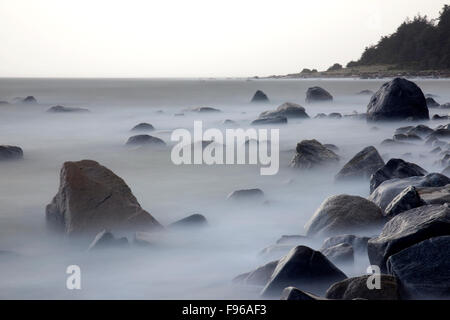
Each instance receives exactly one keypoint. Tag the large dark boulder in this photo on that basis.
(344, 214)
(388, 190)
(305, 268)
(317, 94)
(395, 168)
(406, 229)
(354, 288)
(362, 165)
(91, 198)
(423, 270)
(311, 153)
(288, 110)
(10, 153)
(260, 96)
(145, 140)
(398, 99)
(406, 200)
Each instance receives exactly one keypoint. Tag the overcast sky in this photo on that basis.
(191, 38)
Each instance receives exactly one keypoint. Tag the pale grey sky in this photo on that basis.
(191, 38)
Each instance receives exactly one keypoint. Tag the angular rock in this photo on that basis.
(340, 253)
(395, 168)
(398, 99)
(145, 139)
(420, 130)
(305, 268)
(143, 126)
(10, 153)
(261, 275)
(362, 165)
(316, 94)
(260, 96)
(343, 214)
(311, 153)
(431, 103)
(406, 200)
(407, 229)
(246, 194)
(91, 198)
(106, 240)
(194, 220)
(359, 244)
(292, 293)
(287, 110)
(435, 195)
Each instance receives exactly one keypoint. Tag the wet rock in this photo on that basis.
(407, 229)
(10, 153)
(359, 244)
(393, 143)
(439, 117)
(435, 195)
(423, 269)
(62, 109)
(335, 115)
(260, 96)
(362, 165)
(340, 253)
(407, 137)
(320, 116)
(388, 190)
(311, 153)
(206, 110)
(26, 100)
(106, 240)
(246, 194)
(420, 130)
(440, 133)
(395, 168)
(91, 198)
(398, 99)
(292, 293)
(406, 200)
(193, 221)
(287, 110)
(145, 139)
(404, 130)
(317, 94)
(353, 288)
(144, 126)
(270, 121)
(305, 268)
(344, 214)
(431, 103)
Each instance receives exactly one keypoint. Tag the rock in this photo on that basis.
(388, 190)
(261, 275)
(10, 153)
(144, 126)
(445, 106)
(2, 102)
(229, 122)
(320, 116)
(287, 110)
(395, 168)
(407, 137)
(270, 120)
(439, 117)
(106, 240)
(436, 150)
(335, 115)
(420, 130)
(431, 103)
(393, 143)
(435, 195)
(205, 110)
(362, 165)
(331, 147)
(311, 153)
(316, 94)
(260, 96)
(423, 269)
(343, 214)
(406, 200)
(340, 253)
(366, 92)
(91, 198)
(359, 244)
(27, 100)
(144, 139)
(62, 109)
(292, 293)
(194, 220)
(398, 99)
(406, 229)
(305, 268)
(246, 194)
(403, 130)
(353, 288)
(276, 251)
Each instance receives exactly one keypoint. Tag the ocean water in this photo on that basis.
(189, 264)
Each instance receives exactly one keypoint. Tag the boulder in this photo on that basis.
(246, 194)
(388, 190)
(145, 139)
(359, 244)
(106, 240)
(435, 195)
(395, 168)
(260, 96)
(420, 130)
(445, 105)
(340, 253)
(403, 130)
(194, 220)
(292, 293)
(91, 198)
(144, 126)
(305, 268)
(439, 117)
(287, 110)
(206, 110)
(398, 99)
(270, 120)
(440, 133)
(316, 94)
(320, 116)
(335, 115)
(10, 153)
(406, 229)
(362, 165)
(344, 214)
(407, 137)
(423, 269)
(431, 103)
(62, 109)
(26, 100)
(406, 200)
(353, 288)
(311, 153)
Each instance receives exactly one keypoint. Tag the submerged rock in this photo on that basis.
(91, 198)
(311, 153)
(62, 109)
(205, 110)
(398, 99)
(26, 100)
(143, 126)
(270, 120)
(359, 244)
(287, 110)
(342, 214)
(145, 139)
(362, 165)
(10, 153)
(260, 96)
(106, 240)
(316, 94)
(194, 220)
(366, 92)
(305, 268)
(246, 194)
(431, 103)
(340, 253)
